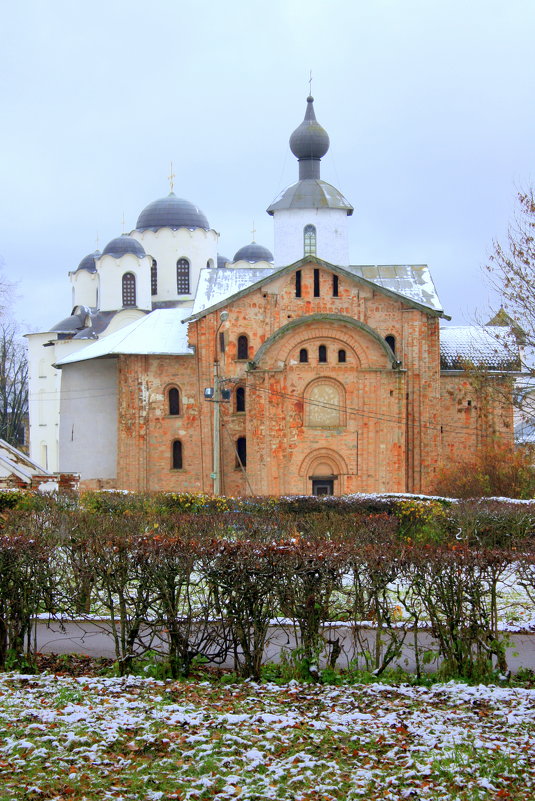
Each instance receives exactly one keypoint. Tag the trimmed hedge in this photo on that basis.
(201, 578)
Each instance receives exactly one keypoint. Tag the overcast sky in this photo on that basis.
(429, 107)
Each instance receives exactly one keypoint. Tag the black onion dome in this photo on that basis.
(309, 140)
(171, 212)
(122, 245)
(253, 252)
(88, 262)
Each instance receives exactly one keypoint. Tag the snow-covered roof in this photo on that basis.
(160, 332)
(14, 462)
(215, 286)
(413, 281)
(493, 348)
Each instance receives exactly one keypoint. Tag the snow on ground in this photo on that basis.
(136, 738)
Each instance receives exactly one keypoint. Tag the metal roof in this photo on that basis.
(215, 286)
(413, 281)
(310, 193)
(161, 332)
(490, 347)
(88, 262)
(122, 245)
(171, 212)
(252, 253)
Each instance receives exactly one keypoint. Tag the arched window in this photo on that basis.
(129, 289)
(303, 355)
(325, 404)
(177, 455)
(241, 452)
(243, 347)
(240, 399)
(392, 342)
(322, 354)
(173, 396)
(182, 277)
(309, 237)
(342, 355)
(154, 278)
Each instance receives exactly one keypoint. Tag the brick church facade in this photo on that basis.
(296, 373)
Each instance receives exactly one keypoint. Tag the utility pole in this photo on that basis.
(217, 445)
(216, 461)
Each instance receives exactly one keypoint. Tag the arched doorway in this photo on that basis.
(323, 472)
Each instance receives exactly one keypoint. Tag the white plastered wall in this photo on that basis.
(44, 391)
(111, 271)
(167, 246)
(331, 235)
(88, 415)
(85, 288)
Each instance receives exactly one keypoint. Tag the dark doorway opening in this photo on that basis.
(322, 486)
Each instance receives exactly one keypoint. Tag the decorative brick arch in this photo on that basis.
(317, 462)
(283, 341)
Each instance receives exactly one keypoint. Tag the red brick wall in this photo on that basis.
(387, 436)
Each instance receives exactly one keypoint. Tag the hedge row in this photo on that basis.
(205, 585)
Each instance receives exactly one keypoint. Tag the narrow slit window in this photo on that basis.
(154, 278)
(241, 452)
(174, 401)
(177, 455)
(240, 399)
(298, 283)
(335, 286)
(316, 283)
(243, 347)
(342, 356)
(309, 237)
(129, 289)
(182, 277)
(322, 354)
(303, 355)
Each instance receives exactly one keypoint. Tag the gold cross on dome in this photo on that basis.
(123, 222)
(253, 231)
(97, 241)
(171, 177)
(310, 84)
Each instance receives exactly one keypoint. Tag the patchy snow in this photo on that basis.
(136, 738)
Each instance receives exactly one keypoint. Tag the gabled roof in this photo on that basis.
(159, 332)
(411, 283)
(493, 348)
(15, 462)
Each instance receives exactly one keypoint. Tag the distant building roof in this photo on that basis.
(171, 212)
(14, 462)
(252, 253)
(122, 245)
(493, 348)
(88, 262)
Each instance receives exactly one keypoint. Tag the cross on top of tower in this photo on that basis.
(171, 177)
